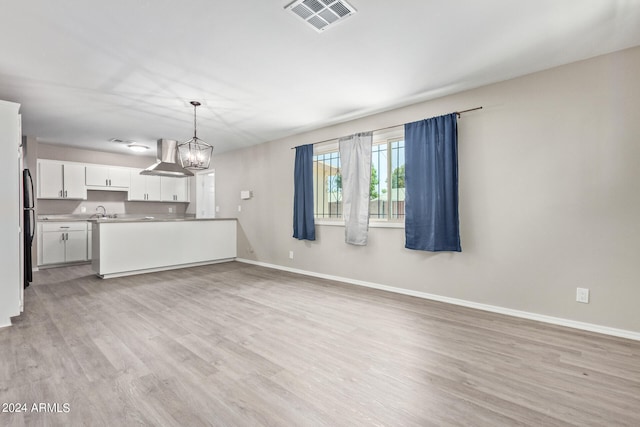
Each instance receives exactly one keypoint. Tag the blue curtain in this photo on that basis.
(303, 223)
(431, 185)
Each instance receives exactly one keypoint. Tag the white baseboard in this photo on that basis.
(622, 333)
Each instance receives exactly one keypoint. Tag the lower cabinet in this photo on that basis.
(62, 242)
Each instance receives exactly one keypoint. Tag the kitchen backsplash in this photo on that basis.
(114, 201)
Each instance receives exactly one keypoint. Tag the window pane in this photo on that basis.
(327, 185)
(397, 179)
(378, 187)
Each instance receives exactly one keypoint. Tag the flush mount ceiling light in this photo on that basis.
(195, 153)
(138, 148)
(321, 14)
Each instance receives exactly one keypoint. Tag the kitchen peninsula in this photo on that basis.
(127, 246)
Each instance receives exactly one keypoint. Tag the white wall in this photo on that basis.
(10, 193)
(549, 198)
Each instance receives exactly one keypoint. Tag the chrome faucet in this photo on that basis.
(104, 210)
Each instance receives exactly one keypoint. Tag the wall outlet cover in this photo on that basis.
(582, 295)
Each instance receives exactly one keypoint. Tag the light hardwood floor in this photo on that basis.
(239, 345)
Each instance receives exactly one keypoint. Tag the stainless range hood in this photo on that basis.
(166, 164)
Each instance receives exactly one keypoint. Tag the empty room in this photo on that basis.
(320, 213)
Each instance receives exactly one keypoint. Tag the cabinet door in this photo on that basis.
(138, 186)
(74, 187)
(153, 188)
(119, 177)
(49, 180)
(52, 248)
(76, 246)
(182, 189)
(174, 189)
(97, 176)
(168, 189)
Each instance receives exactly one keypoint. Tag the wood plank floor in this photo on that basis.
(239, 345)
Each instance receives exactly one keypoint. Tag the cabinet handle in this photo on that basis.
(65, 193)
(109, 183)
(60, 193)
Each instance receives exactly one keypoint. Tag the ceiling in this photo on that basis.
(86, 72)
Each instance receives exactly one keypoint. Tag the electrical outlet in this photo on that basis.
(217, 208)
(582, 295)
(83, 209)
(290, 254)
(170, 209)
(239, 208)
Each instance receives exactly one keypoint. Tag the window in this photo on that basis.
(327, 183)
(386, 193)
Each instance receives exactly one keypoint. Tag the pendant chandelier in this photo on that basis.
(195, 153)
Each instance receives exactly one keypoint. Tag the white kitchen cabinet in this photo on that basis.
(131, 247)
(144, 187)
(61, 180)
(62, 242)
(107, 178)
(174, 189)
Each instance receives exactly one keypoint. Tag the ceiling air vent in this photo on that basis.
(321, 14)
(120, 141)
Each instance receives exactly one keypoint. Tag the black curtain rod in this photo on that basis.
(389, 127)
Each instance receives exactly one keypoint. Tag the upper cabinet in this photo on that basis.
(174, 189)
(107, 178)
(61, 180)
(69, 180)
(144, 187)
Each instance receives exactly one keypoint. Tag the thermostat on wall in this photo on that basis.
(246, 194)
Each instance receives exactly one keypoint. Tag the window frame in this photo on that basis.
(385, 137)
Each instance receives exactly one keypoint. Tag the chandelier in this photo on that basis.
(195, 153)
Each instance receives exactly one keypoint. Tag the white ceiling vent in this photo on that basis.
(321, 14)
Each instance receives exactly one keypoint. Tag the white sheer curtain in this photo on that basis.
(355, 168)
